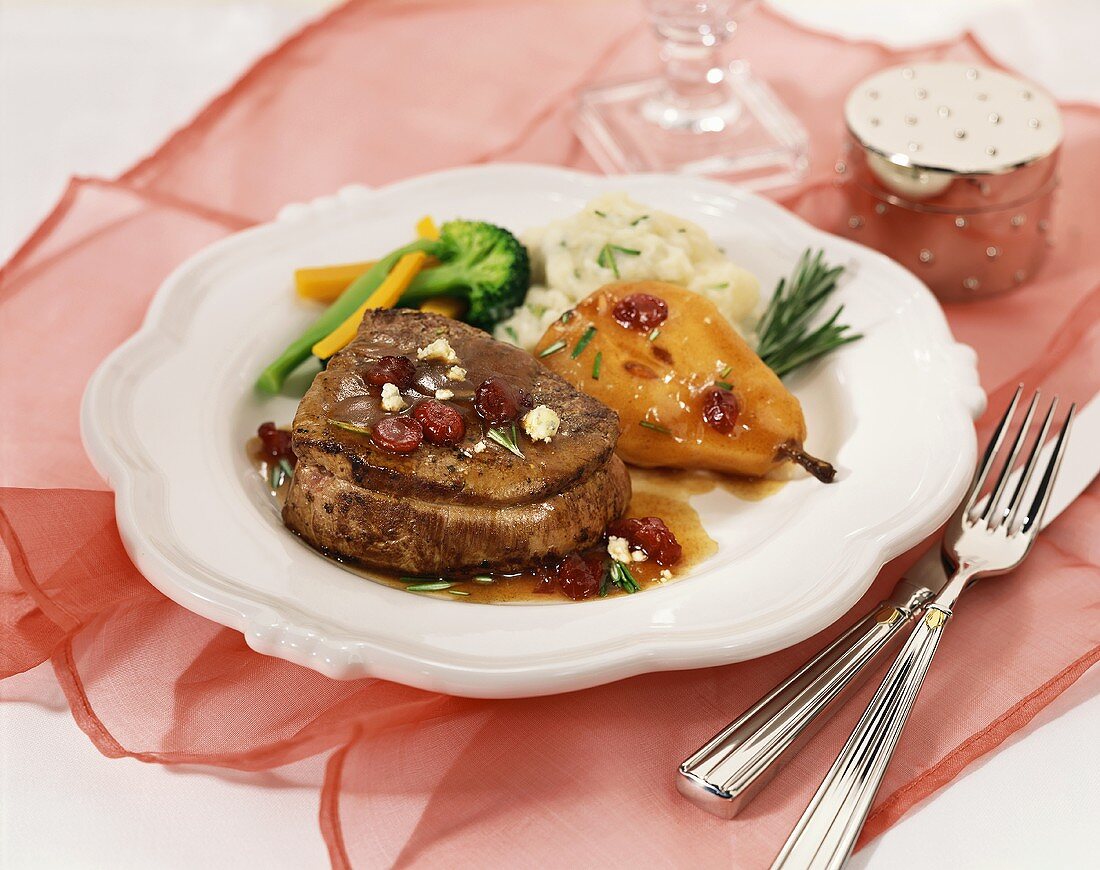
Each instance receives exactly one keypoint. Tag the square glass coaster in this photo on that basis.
(750, 138)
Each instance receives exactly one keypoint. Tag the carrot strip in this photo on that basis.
(386, 296)
(326, 283)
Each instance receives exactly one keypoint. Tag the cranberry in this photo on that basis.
(396, 370)
(442, 424)
(640, 311)
(546, 580)
(720, 410)
(397, 434)
(276, 442)
(496, 402)
(652, 536)
(580, 578)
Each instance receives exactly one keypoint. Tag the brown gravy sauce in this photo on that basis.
(663, 493)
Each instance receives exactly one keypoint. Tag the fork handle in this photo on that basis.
(827, 832)
(726, 773)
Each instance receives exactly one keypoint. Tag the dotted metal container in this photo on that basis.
(950, 169)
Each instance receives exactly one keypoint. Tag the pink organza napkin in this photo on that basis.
(374, 92)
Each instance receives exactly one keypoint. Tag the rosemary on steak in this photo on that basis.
(507, 439)
(787, 340)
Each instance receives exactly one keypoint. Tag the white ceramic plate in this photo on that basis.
(165, 418)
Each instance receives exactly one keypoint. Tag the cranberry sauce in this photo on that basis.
(443, 402)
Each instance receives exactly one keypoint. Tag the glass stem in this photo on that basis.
(694, 76)
(695, 94)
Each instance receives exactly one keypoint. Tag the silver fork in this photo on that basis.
(982, 539)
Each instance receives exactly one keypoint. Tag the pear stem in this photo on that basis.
(819, 468)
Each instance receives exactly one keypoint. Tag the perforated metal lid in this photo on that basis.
(954, 118)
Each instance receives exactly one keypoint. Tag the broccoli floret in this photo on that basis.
(479, 262)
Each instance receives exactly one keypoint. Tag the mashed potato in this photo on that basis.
(571, 258)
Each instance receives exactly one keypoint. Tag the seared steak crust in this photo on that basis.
(450, 510)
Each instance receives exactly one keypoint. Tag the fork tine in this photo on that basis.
(1039, 505)
(1028, 470)
(982, 472)
(990, 511)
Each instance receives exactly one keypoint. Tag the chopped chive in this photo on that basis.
(437, 586)
(596, 365)
(483, 579)
(285, 465)
(637, 221)
(553, 348)
(582, 342)
(725, 372)
(653, 334)
(606, 260)
(656, 427)
(567, 316)
(721, 286)
(457, 592)
(275, 477)
(725, 385)
(512, 332)
(600, 213)
(505, 440)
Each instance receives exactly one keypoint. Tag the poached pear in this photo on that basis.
(689, 391)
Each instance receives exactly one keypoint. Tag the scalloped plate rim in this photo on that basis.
(340, 654)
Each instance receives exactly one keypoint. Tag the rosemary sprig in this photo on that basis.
(567, 316)
(582, 342)
(726, 371)
(606, 259)
(506, 439)
(725, 385)
(596, 363)
(656, 427)
(275, 477)
(653, 333)
(786, 338)
(553, 348)
(620, 576)
(435, 586)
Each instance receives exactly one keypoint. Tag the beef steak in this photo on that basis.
(451, 510)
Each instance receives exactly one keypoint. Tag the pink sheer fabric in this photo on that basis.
(373, 93)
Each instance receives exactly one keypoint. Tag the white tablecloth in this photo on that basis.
(88, 89)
